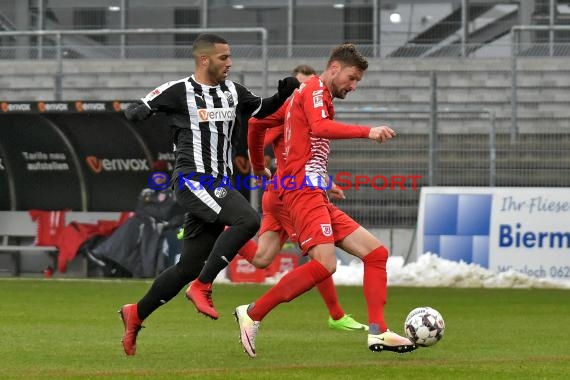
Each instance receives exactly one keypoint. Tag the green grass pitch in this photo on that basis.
(57, 329)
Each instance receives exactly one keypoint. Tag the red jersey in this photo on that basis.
(309, 126)
(262, 132)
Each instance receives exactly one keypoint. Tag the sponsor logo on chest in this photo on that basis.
(216, 114)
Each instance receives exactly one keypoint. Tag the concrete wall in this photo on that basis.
(543, 85)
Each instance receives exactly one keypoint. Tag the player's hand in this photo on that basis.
(260, 174)
(336, 192)
(137, 111)
(381, 134)
(286, 86)
(268, 160)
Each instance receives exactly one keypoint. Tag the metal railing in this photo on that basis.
(368, 21)
(434, 116)
(59, 57)
(428, 150)
(470, 156)
(516, 48)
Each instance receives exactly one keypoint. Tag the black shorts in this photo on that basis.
(204, 199)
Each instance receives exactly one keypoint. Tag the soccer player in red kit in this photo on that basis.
(319, 225)
(276, 226)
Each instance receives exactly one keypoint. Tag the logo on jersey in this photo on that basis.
(327, 229)
(216, 114)
(203, 115)
(229, 97)
(317, 98)
(220, 192)
(153, 94)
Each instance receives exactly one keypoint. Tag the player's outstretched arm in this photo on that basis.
(164, 98)
(331, 129)
(381, 134)
(137, 111)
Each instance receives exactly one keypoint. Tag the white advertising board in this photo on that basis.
(524, 229)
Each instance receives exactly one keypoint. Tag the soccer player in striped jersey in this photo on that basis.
(202, 109)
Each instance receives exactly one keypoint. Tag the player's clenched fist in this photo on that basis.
(260, 174)
(381, 134)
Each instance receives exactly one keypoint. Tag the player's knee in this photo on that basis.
(379, 254)
(329, 264)
(331, 267)
(382, 252)
(251, 223)
(325, 255)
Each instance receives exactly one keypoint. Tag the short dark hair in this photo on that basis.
(304, 69)
(348, 55)
(206, 41)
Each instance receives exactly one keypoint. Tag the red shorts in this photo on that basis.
(315, 219)
(275, 218)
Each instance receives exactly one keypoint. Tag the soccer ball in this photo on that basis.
(424, 326)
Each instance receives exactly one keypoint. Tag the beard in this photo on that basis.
(340, 94)
(216, 75)
(337, 92)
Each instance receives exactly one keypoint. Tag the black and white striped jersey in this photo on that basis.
(205, 121)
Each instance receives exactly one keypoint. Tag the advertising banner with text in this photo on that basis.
(78, 155)
(39, 164)
(523, 229)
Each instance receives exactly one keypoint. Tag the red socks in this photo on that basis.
(328, 293)
(248, 250)
(375, 286)
(292, 285)
(305, 277)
